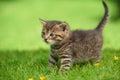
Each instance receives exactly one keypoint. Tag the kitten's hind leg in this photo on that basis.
(53, 60)
(95, 59)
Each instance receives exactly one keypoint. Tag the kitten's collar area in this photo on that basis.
(65, 41)
(56, 46)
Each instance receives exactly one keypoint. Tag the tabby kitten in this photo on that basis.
(73, 46)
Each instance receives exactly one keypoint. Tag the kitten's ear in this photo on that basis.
(43, 21)
(64, 26)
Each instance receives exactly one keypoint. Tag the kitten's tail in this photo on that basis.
(104, 19)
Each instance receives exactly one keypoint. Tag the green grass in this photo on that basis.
(17, 65)
(23, 54)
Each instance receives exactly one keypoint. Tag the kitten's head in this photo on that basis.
(54, 32)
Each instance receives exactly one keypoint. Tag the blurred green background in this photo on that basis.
(20, 28)
(23, 53)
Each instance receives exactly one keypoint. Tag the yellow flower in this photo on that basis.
(97, 64)
(31, 79)
(116, 58)
(42, 78)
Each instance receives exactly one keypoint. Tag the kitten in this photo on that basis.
(73, 46)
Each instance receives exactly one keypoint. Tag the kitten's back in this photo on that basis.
(86, 45)
(85, 34)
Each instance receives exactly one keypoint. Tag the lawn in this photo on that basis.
(24, 55)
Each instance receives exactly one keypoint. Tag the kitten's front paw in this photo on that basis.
(61, 70)
(51, 65)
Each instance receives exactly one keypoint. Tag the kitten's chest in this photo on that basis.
(60, 49)
(56, 51)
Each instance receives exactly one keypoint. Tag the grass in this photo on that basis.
(17, 65)
(23, 54)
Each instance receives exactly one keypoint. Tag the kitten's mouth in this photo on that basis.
(46, 41)
(51, 42)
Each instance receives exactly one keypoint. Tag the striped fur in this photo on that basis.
(53, 60)
(73, 46)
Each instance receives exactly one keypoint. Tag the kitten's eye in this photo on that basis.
(51, 34)
(43, 33)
